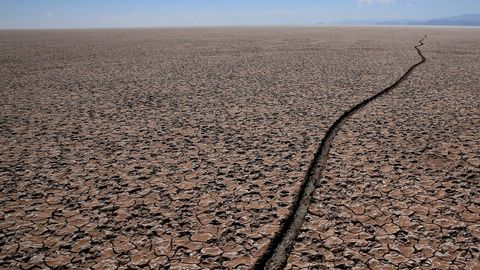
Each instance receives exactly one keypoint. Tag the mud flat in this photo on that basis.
(401, 186)
(182, 148)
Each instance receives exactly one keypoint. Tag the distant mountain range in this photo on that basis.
(461, 20)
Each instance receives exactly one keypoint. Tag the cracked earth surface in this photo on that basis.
(169, 149)
(401, 187)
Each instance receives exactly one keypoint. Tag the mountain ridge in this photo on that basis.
(472, 19)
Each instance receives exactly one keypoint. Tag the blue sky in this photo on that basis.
(151, 13)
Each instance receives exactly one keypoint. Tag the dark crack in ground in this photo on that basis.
(401, 189)
(276, 256)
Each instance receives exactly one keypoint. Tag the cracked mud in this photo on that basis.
(179, 149)
(401, 188)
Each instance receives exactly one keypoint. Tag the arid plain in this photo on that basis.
(188, 148)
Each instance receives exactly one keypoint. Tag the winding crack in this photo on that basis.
(277, 253)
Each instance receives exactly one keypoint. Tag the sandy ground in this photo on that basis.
(184, 148)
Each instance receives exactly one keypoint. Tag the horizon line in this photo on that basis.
(233, 26)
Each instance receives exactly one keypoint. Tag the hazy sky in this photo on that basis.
(147, 13)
